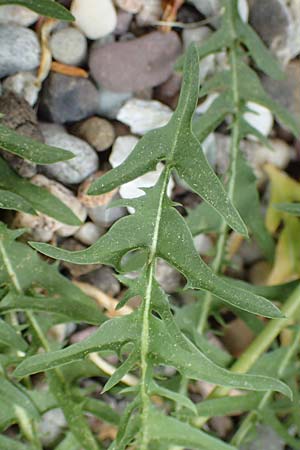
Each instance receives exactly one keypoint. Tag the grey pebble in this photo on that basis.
(19, 50)
(110, 103)
(67, 99)
(69, 46)
(76, 169)
(104, 279)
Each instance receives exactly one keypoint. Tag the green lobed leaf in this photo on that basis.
(136, 231)
(181, 354)
(9, 200)
(167, 144)
(47, 8)
(30, 149)
(228, 405)
(9, 337)
(39, 198)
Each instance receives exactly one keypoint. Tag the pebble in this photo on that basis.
(19, 50)
(41, 228)
(203, 244)
(97, 132)
(144, 115)
(151, 12)
(67, 99)
(131, 6)
(261, 119)
(274, 23)
(264, 438)
(109, 103)
(95, 18)
(103, 279)
(168, 278)
(124, 20)
(23, 84)
(76, 169)
(17, 15)
(121, 150)
(136, 64)
(89, 233)
(51, 426)
(286, 91)
(69, 46)
(104, 216)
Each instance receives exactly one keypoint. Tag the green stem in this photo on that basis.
(251, 418)
(260, 344)
(145, 336)
(222, 239)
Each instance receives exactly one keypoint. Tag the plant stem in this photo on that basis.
(145, 336)
(260, 344)
(247, 424)
(224, 229)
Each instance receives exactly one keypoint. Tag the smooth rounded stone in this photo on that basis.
(286, 91)
(144, 115)
(19, 116)
(136, 64)
(40, 228)
(67, 99)
(168, 278)
(151, 12)
(23, 84)
(103, 279)
(122, 148)
(265, 438)
(89, 233)
(203, 243)
(103, 216)
(76, 169)
(274, 23)
(68, 198)
(51, 426)
(109, 102)
(95, 18)
(97, 132)
(261, 119)
(17, 15)
(68, 46)
(258, 155)
(131, 6)
(19, 50)
(124, 20)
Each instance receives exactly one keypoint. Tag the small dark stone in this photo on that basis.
(104, 279)
(67, 99)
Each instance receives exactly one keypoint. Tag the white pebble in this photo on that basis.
(23, 84)
(89, 233)
(261, 118)
(96, 18)
(144, 115)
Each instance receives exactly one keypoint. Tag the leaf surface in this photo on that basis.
(44, 7)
